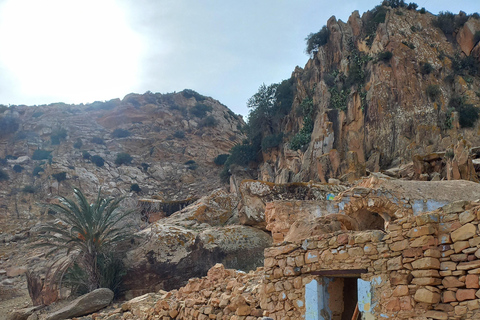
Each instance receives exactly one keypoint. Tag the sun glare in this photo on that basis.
(80, 50)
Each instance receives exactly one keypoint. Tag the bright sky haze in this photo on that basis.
(81, 51)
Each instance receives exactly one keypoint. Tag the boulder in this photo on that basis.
(86, 304)
(22, 314)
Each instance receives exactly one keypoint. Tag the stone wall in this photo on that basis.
(422, 267)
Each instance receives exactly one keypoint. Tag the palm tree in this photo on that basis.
(85, 235)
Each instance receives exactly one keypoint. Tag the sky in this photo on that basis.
(80, 51)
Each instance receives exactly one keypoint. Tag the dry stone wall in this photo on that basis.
(423, 267)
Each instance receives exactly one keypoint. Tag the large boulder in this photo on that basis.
(86, 304)
(174, 254)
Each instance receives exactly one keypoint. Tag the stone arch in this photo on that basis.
(373, 213)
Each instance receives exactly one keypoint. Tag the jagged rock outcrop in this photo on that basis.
(380, 97)
(189, 242)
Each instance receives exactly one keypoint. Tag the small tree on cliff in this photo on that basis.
(84, 239)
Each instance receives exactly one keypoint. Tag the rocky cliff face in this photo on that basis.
(172, 140)
(380, 96)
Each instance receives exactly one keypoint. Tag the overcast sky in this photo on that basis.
(81, 51)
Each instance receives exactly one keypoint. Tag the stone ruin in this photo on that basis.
(383, 249)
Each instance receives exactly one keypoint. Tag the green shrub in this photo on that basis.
(97, 160)
(98, 140)
(242, 155)
(272, 141)
(4, 176)
(60, 176)
(302, 138)
(8, 124)
(78, 144)
(464, 65)
(135, 188)
(58, 135)
(220, 159)
(17, 168)
(120, 133)
(412, 6)
(28, 189)
(40, 154)
(423, 11)
(449, 22)
(209, 121)
(409, 44)
(449, 154)
(339, 98)
(192, 165)
(467, 113)
(476, 37)
(394, 3)
(86, 155)
(188, 93)
(37, 170)
(426, 68)
(316, 40)
(179, 134)
(123, 158)
(200, 110)
(145, 166)
(37, 114)
(356, 73)
(329, 79)
(433, 91)
(385, 56)
(375, 17)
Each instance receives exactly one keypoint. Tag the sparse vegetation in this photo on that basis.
(123, 158)
(28, 189)
(78, 144)
(58, 135)
(385, 56)
(8, 124)
(188, 93)
(200, 110)
(209, 121)
(135, 188)
(409, 44)
(465, 65)
(376, 16)
(98, 140)
(220, 159)
(179, 134)
(449, 22)
(316, 40)
(272, 141)
(97, 160)
(120, 133)
(426, 68)
(37, 170)
(302, 138)
(145, 166)
(339, 98)
(433, 91)
(37, 114)
(467, 113)
(41, 154)
(86, 155)
(191, 164)
(4, 176)
(60, 176)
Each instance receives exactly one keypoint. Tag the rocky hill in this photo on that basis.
(159, 146)
(377, 89)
